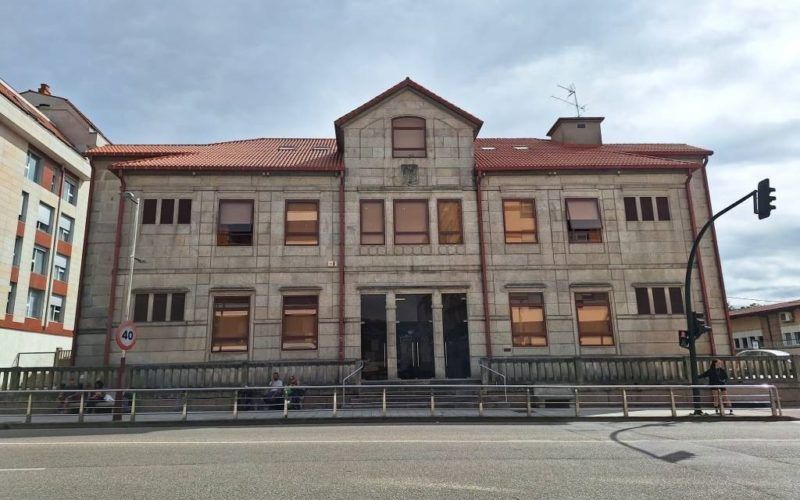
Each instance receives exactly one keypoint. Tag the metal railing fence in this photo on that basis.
(375, 401)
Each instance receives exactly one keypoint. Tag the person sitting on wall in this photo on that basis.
(274, 396)
(99, 399)
(70, 397)
(294, 393)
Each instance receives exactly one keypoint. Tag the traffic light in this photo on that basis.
(700, 326)
(683, 339)
(764, 199)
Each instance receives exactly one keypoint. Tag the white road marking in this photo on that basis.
(392, 441)
(22, 469)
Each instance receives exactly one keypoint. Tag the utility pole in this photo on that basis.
(695, 323)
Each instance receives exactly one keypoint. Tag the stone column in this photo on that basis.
(438, 335)
(391, 336)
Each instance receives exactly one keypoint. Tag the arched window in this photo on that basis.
(408, 137)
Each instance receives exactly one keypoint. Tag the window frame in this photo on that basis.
(45, 260)
(663, 211)
(287, 235)
(16, 256)
(511, 306)
(670, 292)
(11, 299)
(424, 129)
(363, 233)
(56, 273)
(33, 291)
(167, 217)
(460, 232)
(427, 220)
(37, 170)
(51, 307)
(184, 215)
(506, 232)
(231, 298)
(284, 337)
(581, 333)
(70, 195)
(59, 232)
(137, 303)
(23, 208)
(49, 229)
(572, 232)
(252, 221)
(172, 316)
(157, 303)
(149, 218)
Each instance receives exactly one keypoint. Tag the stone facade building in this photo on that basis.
(406, 241)
(44, 195)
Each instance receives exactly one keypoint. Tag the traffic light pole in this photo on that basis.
(687, 299)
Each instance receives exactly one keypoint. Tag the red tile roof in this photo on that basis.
(656, 149)
(144, 149)
(540, 154)
(319, 155)
(751, 311)
(20, 102)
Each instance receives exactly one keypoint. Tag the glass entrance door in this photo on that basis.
(456, 335)
(373, 336)
(415, 336)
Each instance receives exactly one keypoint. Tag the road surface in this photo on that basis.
(560, 460)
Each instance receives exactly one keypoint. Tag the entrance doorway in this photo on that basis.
(414, 336)
(456, 335)
(373, 337)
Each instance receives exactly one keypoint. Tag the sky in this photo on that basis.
(724, 75)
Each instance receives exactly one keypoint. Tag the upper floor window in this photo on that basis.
(44, 221)
(300, 321)
(519, 219)
(23, 209)
(235, 227)
(70, 190)
(54, 177)
(17, 251)
(142, 311)
(185, 211)
(583, 221)
(61, 267)
(39, 260)
(302, 223)
(33, 168)
(35, 305)
(372, 222)
(408, 137)
(594, 319)
(231, 328)
(664, 300)
(65, 225)
(527, 319)
(449, 215)
(12, 297)
(167, 211)
(411, 222)
(149, 208)
(151, 215)
(641, 208)
(57, 308)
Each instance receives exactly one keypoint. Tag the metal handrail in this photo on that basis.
(484, 367)
(352, 374)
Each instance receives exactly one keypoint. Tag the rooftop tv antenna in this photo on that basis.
(572, 98)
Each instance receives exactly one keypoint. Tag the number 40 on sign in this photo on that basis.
(126, 335)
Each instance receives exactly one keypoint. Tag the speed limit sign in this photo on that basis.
(126, 335)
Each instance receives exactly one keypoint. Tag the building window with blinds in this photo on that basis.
(594, 319)
(519, 221)
(411, 222)
(231, 328)
(61, 267)
(235, 226)
(527, 320)
(300, 322)
(39, 260)
(583, 221)
(372, 222)
(57, 308)
(65, 224)
(408, 137)
(448, 213)
(44, 221)
(302, 223)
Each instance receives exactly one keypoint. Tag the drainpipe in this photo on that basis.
(112, 293)
(717, 261)
(89, 205)
(342, 235)
(487, 331)
(703, 290)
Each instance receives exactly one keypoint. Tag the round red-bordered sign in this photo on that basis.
(126, 335)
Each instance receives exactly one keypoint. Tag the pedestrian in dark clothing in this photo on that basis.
(718, 377)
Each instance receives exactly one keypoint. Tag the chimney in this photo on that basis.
(44, 89)
(582, 130)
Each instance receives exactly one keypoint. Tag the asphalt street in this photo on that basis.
(542, 460)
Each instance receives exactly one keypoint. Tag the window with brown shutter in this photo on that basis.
(167, 211)
(140, 307)
(527, 319)
(149, 211)
(184, 211)
(235, 225)
(300, 322)
(230, 331)
(647, 208)
(449, 216)
(594, 319)
(583, 220)
(519, 221)
(411, 222)
(631, 211)
(408, 137)
(372, 222)
(662, 204)
(302, 223)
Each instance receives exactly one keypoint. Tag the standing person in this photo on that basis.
(717, 376)
(295, 394)
(274, 397)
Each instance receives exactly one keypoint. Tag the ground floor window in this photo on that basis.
(300, 322)
(231, 328)
(594, 319)
(527, 320)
